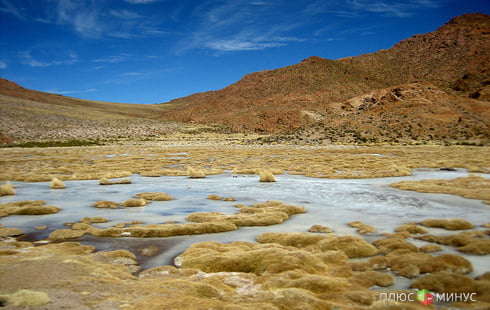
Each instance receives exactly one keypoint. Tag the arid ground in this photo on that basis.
(314, 269)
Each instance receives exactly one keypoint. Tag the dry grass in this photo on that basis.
(156, 196)
(266, 176)
(70, 163)
(27, 207)
(262, 214)
(195, 174)
(57, 184)
(7, 189)
(27, 298)
(449, 224)
(105, 181)
(106, 204)
(132, 202)
(472, 186)
(283, 271)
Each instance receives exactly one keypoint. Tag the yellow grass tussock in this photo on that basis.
(106, 204)
(472, 186)
(449, 224)
(132, 202)
(266, 176)
(57, 184)
(27, 207)
(155, 196)
(7, 189)
(195, 174)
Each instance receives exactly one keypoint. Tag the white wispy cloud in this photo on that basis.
(114, 58)
(69, 92)
(8, 7)
(90, 19)
(236, 45)
(3, 65)
(133, 76)
(125, 14)
(83, 16)
(239, 26)
(65, 58)
(392, 8)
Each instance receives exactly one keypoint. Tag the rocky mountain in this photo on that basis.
(429, 86)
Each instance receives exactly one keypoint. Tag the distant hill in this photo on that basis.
(33, 115)
(446, 71)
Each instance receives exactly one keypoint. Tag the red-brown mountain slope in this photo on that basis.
(454, 58)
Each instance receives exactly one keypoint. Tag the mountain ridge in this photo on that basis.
(454, 58)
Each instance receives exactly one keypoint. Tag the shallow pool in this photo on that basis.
(329, 202)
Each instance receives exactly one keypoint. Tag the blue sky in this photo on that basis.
(152, 51)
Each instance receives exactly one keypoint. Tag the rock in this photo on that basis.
(449, 224)
(41, 227)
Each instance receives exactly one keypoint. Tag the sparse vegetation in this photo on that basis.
(55, 143)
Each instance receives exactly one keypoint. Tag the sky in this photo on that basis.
(153, 51)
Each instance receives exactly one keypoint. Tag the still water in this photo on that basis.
(328, 202)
